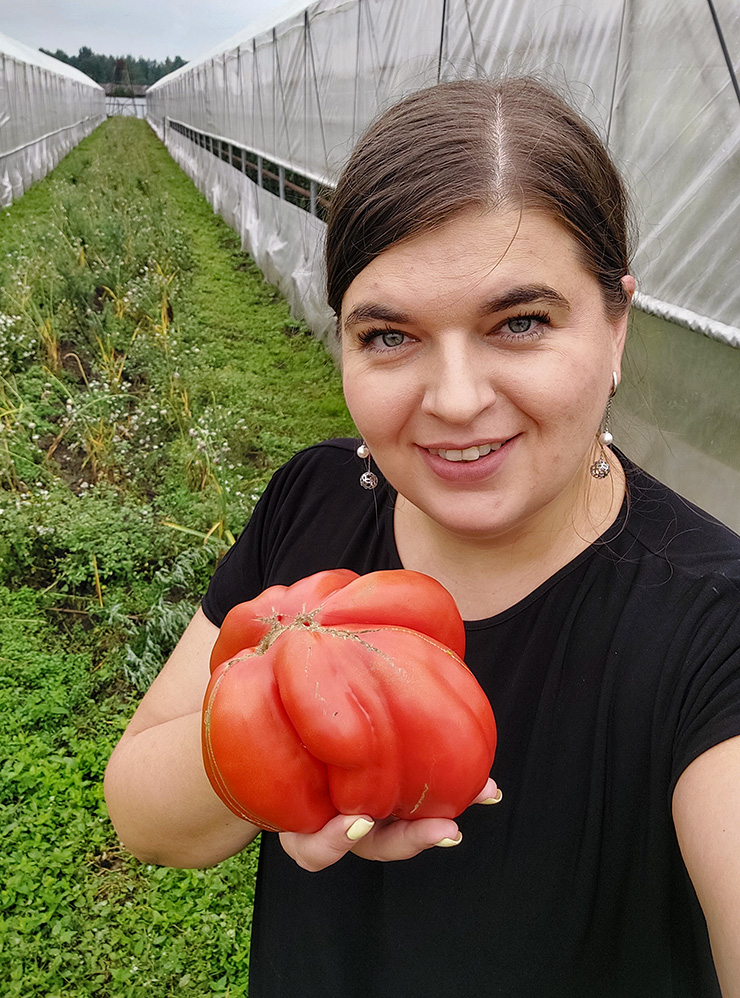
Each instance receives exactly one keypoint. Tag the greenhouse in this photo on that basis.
(46, 108)
(264, 123)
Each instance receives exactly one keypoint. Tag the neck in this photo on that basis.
(487, 575)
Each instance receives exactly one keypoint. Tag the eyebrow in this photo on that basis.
(527, 294)
(369, 312)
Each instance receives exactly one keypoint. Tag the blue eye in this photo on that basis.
(382, 340)
(520, 324)
(521, 329)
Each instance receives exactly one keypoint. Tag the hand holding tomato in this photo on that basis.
(385, 841)
(346, 695)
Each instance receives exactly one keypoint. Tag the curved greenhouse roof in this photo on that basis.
(24, 53)
(46, 108)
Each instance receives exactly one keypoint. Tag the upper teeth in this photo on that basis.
(469, 454)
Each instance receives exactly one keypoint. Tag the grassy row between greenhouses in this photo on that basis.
(150, 382)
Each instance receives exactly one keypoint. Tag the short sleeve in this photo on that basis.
(710, 707)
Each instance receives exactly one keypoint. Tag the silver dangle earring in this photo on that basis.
(601, 468)
(368, 479)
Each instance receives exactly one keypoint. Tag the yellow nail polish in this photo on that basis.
(358, 829)
(494, 800)
(448, 843)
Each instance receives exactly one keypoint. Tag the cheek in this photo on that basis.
(379, 404)
(355, 394)
(563, 398)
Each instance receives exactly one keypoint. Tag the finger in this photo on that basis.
(396, 840)
(490, 794)
(317, 850)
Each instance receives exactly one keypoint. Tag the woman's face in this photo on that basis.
(477, 363)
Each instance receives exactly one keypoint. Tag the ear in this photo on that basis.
(621, 324)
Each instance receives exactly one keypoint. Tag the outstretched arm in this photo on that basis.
(156, 788)
(706, 812)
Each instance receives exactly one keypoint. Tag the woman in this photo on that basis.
(477, 261)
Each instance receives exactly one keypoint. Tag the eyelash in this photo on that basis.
(368, 336)
(543, 318)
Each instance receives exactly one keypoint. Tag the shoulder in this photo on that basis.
(329, 455)
(298, 522)
(336, 451)
(323, 472)
(315, 515)
(686, 541)
(327, 472)
(681, 616)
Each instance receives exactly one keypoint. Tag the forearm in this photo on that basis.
(161, 803)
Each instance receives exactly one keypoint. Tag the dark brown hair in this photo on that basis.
(478, 144)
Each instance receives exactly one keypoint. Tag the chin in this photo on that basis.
(471, 523)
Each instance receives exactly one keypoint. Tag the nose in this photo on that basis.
(459, 384)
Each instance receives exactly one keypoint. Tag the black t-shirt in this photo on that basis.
(606, 682)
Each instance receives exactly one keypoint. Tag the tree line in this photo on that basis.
(112, 69)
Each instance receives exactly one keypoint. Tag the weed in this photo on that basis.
(148, 388)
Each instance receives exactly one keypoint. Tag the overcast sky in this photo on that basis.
(154, 29)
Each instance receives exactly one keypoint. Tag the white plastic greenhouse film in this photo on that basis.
(46, 108)
(651, 75)
(676, 130)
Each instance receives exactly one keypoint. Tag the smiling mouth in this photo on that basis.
(468, 454)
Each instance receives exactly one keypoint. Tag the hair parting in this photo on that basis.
(478, 145)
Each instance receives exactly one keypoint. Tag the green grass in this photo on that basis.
(150, 382)
(79, 916)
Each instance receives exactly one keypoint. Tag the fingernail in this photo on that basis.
(358, 829)
(447, 843)
(494, 800)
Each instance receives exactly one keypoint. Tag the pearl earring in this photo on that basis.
(601, 467)
(368, 479)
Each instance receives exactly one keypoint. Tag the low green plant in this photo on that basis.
(77, 915)
(150, 382)
(164, 369)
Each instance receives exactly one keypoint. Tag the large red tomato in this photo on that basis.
(345, 694)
